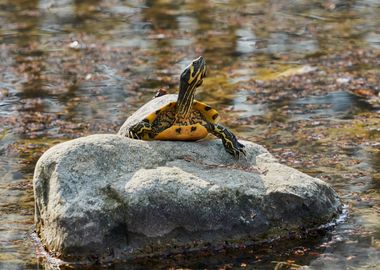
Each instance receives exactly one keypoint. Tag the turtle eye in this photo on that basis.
(199, 83)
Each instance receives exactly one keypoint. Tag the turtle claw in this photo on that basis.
(133, 135)
(236, 149)
(240, 151)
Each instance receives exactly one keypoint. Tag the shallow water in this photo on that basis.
(283, 73)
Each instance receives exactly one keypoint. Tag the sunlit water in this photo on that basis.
(72, 68)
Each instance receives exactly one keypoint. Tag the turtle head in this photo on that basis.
(193, 74)
(191, 78)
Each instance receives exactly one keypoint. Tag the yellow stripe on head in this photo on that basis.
(196, 76)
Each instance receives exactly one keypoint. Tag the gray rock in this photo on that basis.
(110, 198)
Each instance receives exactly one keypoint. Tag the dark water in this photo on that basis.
(73, 68)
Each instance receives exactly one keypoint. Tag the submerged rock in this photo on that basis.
(110, 198)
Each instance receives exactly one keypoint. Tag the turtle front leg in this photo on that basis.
(139, 130)
(229, 140)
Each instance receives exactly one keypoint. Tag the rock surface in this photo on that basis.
(110, 198)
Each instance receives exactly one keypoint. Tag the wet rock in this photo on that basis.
(111, 198)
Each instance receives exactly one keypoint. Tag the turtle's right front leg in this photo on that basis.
(230, 142)
(139, 130)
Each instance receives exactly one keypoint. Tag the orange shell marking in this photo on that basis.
(209, 113)
(183, 133)
(192, 132)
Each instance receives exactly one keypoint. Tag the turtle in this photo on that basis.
(181, 117)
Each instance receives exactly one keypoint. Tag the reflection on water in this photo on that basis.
(247, 109)
(336, 104)
(71, 68)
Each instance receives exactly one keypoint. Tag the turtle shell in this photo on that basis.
(162, 105)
